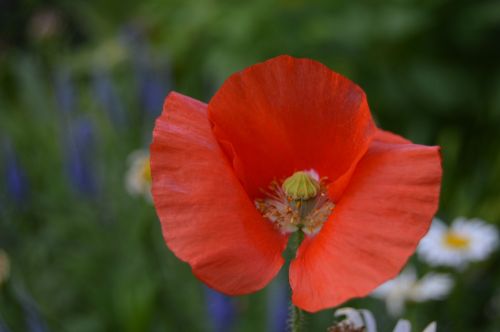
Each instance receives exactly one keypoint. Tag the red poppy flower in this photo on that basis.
(289, 145)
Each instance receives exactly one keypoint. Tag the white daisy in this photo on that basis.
(363, 320)
(456, 245)
(4, 266)
(406, 287)
(138, 177)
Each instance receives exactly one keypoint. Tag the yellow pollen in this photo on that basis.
(301, 186)
(456, 241)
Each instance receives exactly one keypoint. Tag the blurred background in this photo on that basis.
(81, 83)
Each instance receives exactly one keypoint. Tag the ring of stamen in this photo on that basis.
(301, 202)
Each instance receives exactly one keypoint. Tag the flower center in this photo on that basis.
(456, 241)
(301, 186)
(146, 171)
(300, 203)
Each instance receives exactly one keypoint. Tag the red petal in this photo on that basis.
(388, 137)
(288, 114)
(335, 191)
(207, 218)
(385, 210)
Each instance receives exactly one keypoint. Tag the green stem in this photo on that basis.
(296, 314)
(297, 318)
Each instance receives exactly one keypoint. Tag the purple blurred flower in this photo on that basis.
(3, 326)
(278, 302)
(77, 136)
(15, 177)
(154, 81)
(107, 96)
(34, 321)
(152, 92)
(65, 91)
(79, 156)
(221, 310)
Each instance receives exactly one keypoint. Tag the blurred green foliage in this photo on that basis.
(82, 81)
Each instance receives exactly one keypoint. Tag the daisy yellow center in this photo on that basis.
(300, 202)
(146, 171)
(456, 241)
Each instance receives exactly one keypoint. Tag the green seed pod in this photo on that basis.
(301, 186)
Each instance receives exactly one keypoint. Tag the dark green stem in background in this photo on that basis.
(296, 314)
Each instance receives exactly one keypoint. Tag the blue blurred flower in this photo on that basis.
(64, 91)
(34, 322)
(3, 326)
(79, 145)
(33, 319)
(107, 96)
(154, 81)
(278, 303)
(152, 92)
(221, 310)
(77, 135)
(15, 176)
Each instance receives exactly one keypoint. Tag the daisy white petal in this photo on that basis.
(403, 326)
(433, 286)
(432, 327)
(363, 320)
(395, 292)
(406, 287)
(370, 324)
(353, 316)
(138, 177)
(463, 242)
